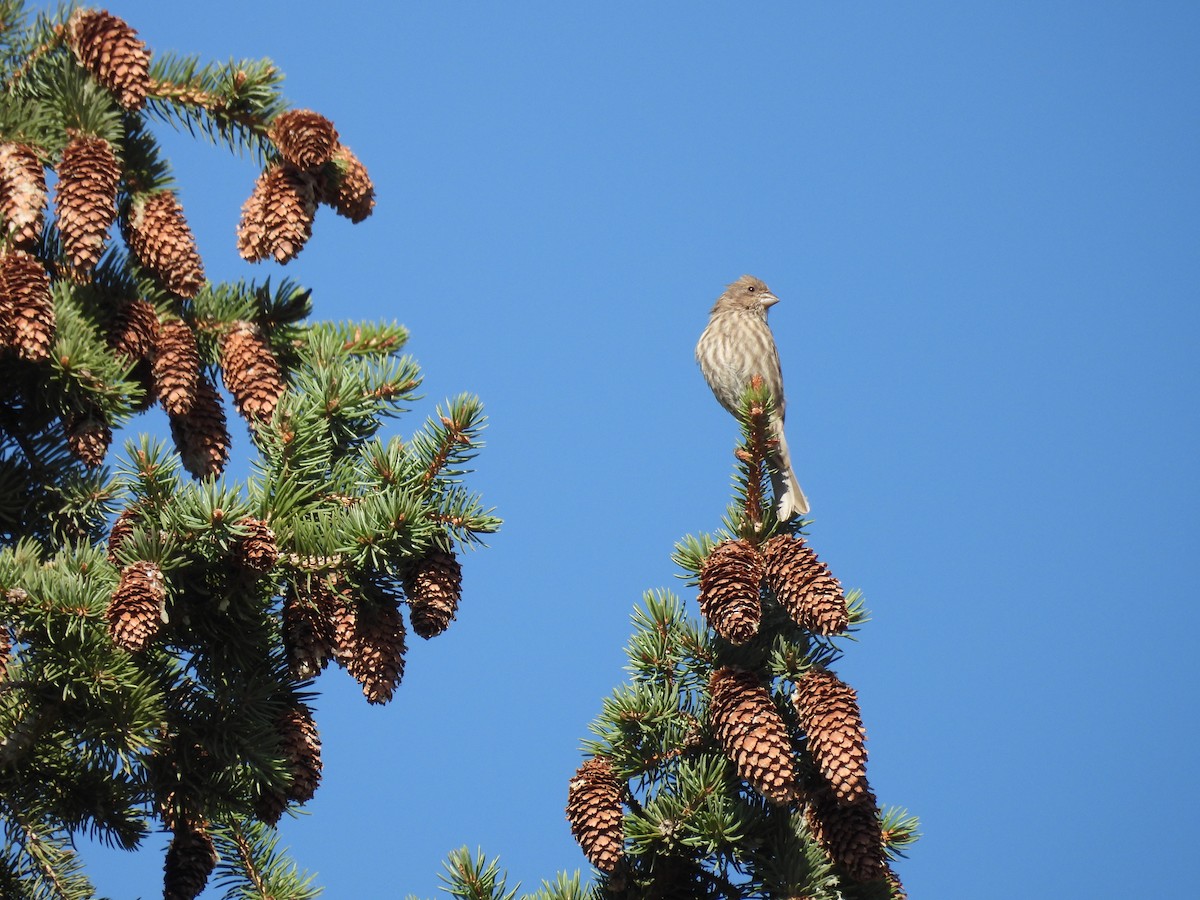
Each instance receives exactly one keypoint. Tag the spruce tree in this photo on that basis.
(160, 625)
(732, 764)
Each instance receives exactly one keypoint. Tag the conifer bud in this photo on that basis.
(594, 812)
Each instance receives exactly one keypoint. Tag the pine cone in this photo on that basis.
(256, 551)
(433, 588)
(308, 630)
(752, 733)
(27, 320)
(346, 186)
(134, 331)
(730, 597)
(176, 366)
(594, 811)
(369, 635)
(22, 194)
(829, 715)
(278, 216)
(850, 833)
(200, 435)
(135, 610)
(6, 645)
(301, 746)
(88, 436)
(190, 859)
(113, 53)
(121, 530)
(305, 139)
(804, 586)
(895, 886)
(158, 233)
(85, 199)
(251, 373)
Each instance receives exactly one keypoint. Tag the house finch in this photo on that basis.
(736, 345)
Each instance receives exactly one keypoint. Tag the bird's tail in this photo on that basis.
(789, 498)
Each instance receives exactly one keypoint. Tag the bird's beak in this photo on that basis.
(768, 300)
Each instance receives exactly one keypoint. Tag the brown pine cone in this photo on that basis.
(200, 435)
(301, 746)
(122, 528)
(256, 551)
(88, 436)
(22, 194)
(308, 628)
(830, 717)
(113, 53)
(433, 588)
(136, 608)
(277, 218)
(27, 319)
(346, 186)
(594, 811)
(251, 373)
(134, 331)
(85, 199)
(369, 640)
(305, 139)
(850, 833)
(730, 598)
(190, 860)
(160, 236)
(176, 367)
(804, 586)
(750, 730)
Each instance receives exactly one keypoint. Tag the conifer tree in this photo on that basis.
(732, 764)
(160, 625)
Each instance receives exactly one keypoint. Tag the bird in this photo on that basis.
(736, 345)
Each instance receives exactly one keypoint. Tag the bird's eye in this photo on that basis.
(750, 289)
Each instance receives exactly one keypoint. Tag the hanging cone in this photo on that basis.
(22, 194)
(850, 833)
(278, 216)
(752, 733)
(308, 631)
(301, 745)
(88, 436)
(159, 235)
(895, 886)
(730, 596)
(136, 608)
(121, 530)
(85, 199)
(594, 811)
(305, 139)
(201, 436)
(369, 641)
(830, 717)
(113, 53)
(346, 186)
(190, 859)
(433, 589)
(134, 331)
(804, 586)
(27, 321)
(176, 367)
(251, 373)
(6, 645)
(256, 551)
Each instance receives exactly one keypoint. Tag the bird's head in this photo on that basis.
(747, 293)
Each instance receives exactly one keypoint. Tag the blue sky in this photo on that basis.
(982, 222)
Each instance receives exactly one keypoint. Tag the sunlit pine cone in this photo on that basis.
(850, 833)
(122, 529)
(85, 199)
(27, 319)
(308, 629)
(108, 48)
(176, 367)
(750, 730)
(301, 745)
(200, 435)
(277, 218)
(594, 811)
(804, 586)
(22, 194)
(256, 551)
(730, 590)
(251, 373)
(134, 330)
(346, 186)
(370, 637)
(830, 716)
(88, 436)
(160, 236)
(190, 860)
(305, 139)
(135, 610)
(433, 588)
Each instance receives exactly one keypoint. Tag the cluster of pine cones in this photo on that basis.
(839, 806)
(313, 166)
